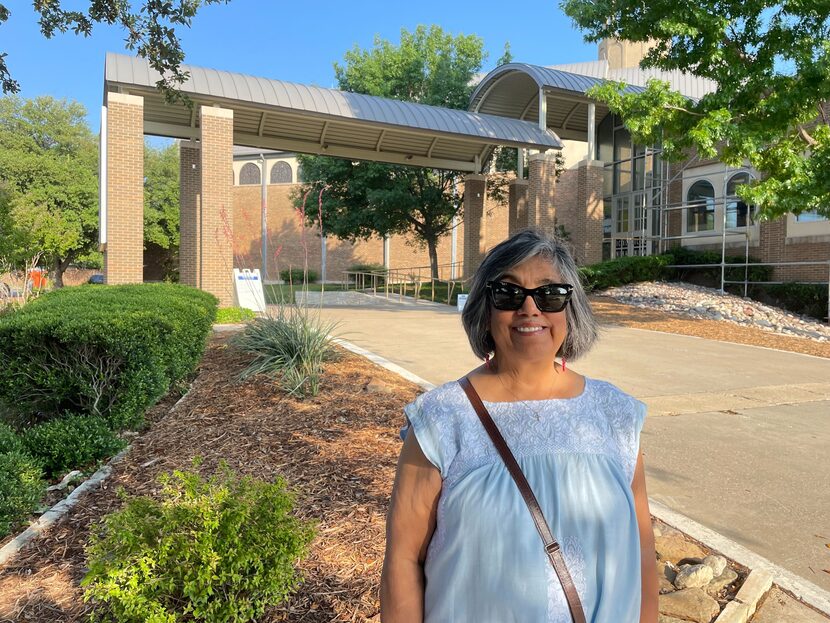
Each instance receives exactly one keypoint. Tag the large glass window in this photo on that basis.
(700, 214)
(249, 174)
(810, 217)
(738, 213)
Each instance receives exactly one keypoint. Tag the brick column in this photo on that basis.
(586, 223)
(190, 190)
(541, 211)
(124, 251)
(475, 222)
(517, 206)
(773, 236)
(216, 236)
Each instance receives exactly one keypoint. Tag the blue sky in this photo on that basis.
(295, 41)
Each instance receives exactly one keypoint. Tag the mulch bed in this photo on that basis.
(338, 450)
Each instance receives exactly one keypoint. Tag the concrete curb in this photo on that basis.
(746, 601)
(763, 572)
(54, 514)
(385, 363)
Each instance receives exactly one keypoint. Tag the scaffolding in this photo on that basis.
(646, 228)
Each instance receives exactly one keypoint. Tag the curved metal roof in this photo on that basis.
(303, 118)
(544, 78)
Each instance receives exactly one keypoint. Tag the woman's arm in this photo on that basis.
(409, 526)
(648, 608)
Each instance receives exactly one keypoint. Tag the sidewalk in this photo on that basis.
(736, 436)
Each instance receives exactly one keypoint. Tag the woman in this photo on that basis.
(461, 545)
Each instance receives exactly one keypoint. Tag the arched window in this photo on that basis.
(249, 174)
(700, 215)
(738, 214)
(281, 173)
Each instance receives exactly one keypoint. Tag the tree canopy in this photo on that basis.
(362, 199)
(150, 29)
(161, 205)
(49, 177)
(771, 63)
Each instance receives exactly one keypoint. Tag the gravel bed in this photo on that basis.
(710, 304)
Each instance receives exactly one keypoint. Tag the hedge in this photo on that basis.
(623, 270)
(108, 351)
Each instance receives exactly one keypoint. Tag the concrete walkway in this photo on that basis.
(737, 436)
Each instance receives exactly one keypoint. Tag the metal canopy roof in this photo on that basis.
(282, 115)
(512, 90)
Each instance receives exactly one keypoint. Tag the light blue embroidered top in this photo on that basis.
(485, 562)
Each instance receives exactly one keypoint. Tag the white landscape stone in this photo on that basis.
(708, 303)
(693, 576)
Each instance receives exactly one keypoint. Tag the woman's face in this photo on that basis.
(527, 333)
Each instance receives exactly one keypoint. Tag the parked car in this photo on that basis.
(97, 279)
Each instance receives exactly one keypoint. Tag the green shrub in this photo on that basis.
(233, 315)
(21, 488)
(809, 299)
(711, 276)
(216, 550)
(623, 270)
(292, 346)
(70, 442)
(298, 275)
(110, 351)
(10, 441)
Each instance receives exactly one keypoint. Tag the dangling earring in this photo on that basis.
(564, 364)
(487, 361)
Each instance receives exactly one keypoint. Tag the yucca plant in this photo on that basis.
(291, 346)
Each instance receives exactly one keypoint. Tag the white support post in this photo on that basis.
(102, 180)
(543, 110)
(387, 248)
(264, 223)
(592, 130)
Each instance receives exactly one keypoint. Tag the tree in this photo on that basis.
(161, 205)
(48, 170)
(150, 30)
(362, 199)
(771, 63)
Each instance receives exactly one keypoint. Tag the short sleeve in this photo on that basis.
(638, 418)
(425, 430)
(434, 418)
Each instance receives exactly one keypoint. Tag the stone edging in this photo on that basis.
(762, 571)
(54, 514)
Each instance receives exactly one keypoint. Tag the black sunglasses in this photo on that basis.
(551, 297)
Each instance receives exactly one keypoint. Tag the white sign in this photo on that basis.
(247, 289)
(461, 302)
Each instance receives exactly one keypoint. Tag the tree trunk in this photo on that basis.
(60, 268)
(432, 247)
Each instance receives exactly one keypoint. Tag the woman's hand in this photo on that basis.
(649, 606)
(409, 527)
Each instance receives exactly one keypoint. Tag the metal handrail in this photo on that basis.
(403, 279)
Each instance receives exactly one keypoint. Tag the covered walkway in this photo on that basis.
(229, 109)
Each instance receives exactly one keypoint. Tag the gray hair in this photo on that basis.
(520, 247)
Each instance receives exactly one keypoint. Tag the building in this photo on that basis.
(613, 198)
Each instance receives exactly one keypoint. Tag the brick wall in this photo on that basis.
(190, 191)
(475, 222)
(217, 203)
(517, 205)
(124, 252)
(541, 192)
(286, 234)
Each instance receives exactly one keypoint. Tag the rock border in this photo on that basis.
(49, 518)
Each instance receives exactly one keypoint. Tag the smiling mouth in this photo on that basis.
(529, 330)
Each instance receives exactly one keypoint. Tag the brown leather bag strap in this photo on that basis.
(552, 548)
